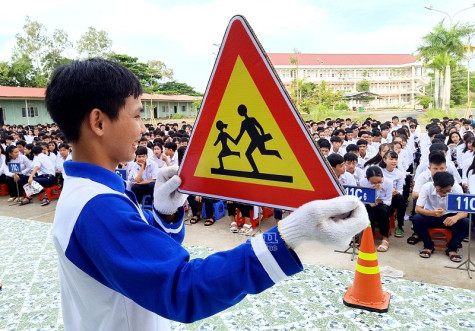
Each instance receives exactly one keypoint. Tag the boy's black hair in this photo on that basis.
(440, 136)
(21, 142)
(433, 131)
(76, 89)
(141, 150)
(361, 142)
(437, 158)
(376, 133)
(37, 150)
(170, 145)
(350, 157)
(360, 133)
(335, 139)
(323, 143)
(438, 147)
(384, 127)
(64, 145)
(181, 153)
(352, 147)
(394, 117)
(335, 159)
(443, 179)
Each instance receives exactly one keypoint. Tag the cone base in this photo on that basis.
(379, 307)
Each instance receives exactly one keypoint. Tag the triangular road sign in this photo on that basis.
(249, 143)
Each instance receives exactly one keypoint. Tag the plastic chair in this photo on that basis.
(147, 202)
(3, 190)
(440, 234)
(219, 210)
(51, 193)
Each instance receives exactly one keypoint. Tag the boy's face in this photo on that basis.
(324, 151)
(143, 143)
(376, 139)
(141, 159)
(20, 148)
(396, 121)
(350, 166)
(339, 169)
(384, 133)
(336, 144)
(443, 191)
(45, 150)
(63, 152)
(121, 136)
(435, 168)
(168, 151)
(362, 149)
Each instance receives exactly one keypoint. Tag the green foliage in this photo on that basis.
(320, 112)
(458, 91)
(425, 101)
(363, 86)
(436, 113)
(177, 116)
(342, 106)
(197, 104)
(175, 87)
(94, 43)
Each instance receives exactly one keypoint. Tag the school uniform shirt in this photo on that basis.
(3, 166)
(396, 176)
(174, 159)
(150, 171)
(405, 159)
(53, 157)
(347, 179)
(45, 165)
(429, 199)
(459, 153)
(423, 167)
(121, 268)
(471, 182)
(25, 165)
(59, 163)
(159, 162)
(464, 166)
(341, 151)
(385, 192)
(358, 174)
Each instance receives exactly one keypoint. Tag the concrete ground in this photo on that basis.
(400, 255)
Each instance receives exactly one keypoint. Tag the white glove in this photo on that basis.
(316, 221)
(166, 198)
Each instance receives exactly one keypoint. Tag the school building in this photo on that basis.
(26, 106)
(395, 79)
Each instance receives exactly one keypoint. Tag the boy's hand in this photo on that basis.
(325, 221)
(166, 198)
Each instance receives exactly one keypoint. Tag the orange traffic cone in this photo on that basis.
(367, 292)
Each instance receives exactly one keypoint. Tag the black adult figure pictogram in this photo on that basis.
(258, 139)
(223, 138)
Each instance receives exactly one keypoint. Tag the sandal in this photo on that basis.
(426, 253)
(210, 221)
(194, 219)
(25, 201)
(457, 258)
(413, 239)
(384, 246)
(246, 228)
(45, 202)
(234, 228)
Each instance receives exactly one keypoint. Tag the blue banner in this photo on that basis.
(365, 194)
(14, 167)
(461, 203)
(122, 173)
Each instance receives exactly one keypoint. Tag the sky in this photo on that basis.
(185, 34)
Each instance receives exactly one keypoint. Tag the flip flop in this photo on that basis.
(425, 254)
(384, 246)
(210, 221)
(194, 220)
(457, 258)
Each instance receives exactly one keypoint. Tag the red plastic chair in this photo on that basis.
(51, 193)
(440, 234)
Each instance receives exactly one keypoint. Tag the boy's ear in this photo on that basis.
(96, 121)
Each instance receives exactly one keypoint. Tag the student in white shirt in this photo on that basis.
(431, 212)
(336, 146)
(381, 210)
(351, 165)
(143, 174)
(159, 157)
(13, 179)
(364, 155)
(43, 172)
(170, 151)
(392, 173)
(63, 154)
(337, 163)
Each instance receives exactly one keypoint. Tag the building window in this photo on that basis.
(175, 109)
(183, 108)
(32, 112)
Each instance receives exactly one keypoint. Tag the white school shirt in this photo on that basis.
(471, 182)
(159, 162)
(25, 165)
(429, 199)
(385, 192)
(150, 171)
(347, 179)
(359, 174)
(459, 154)
(396, 176)
(341, 151)
(45, 165)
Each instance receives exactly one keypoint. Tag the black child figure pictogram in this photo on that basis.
(223, 138)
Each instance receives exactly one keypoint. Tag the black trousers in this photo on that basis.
(379, 214)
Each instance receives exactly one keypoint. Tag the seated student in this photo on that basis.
(381, 210)
(159, 157)
(143, 174)
(336, 146)
(440, 147)
(431, 212)
(364, 155)
(47, 151)
(376, 160)
(391, 172)
(43, 172)
(337, 163)
(12, 179)
(63, 155)
(352, 148)
(351, 165)
(144, 143)
(170, 151)
(245, 212)
(324, 146)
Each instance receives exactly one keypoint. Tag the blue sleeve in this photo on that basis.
(111, 243)
(175, 230)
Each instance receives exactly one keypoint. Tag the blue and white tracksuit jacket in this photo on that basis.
(124, 269)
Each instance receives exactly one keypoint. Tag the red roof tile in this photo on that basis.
(169, 97)
(22, 92)
(342, 59)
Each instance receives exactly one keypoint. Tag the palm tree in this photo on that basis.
(441, 50)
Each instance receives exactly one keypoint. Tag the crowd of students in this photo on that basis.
(395, 158)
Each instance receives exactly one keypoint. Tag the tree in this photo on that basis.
(446, 47)
(94, 43)
(175, 87)
(363, 86)
(57, 46)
